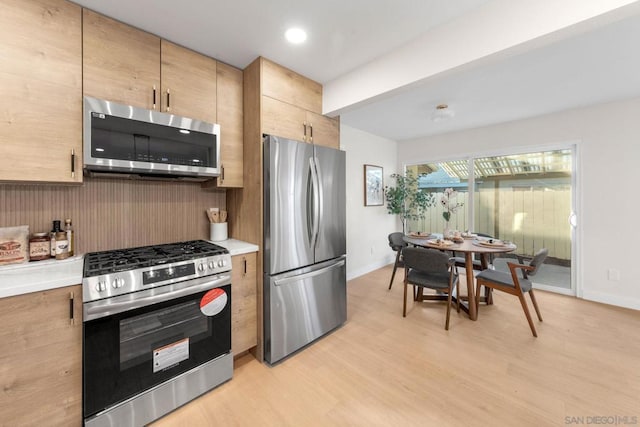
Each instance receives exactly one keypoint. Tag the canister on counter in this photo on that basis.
(62, 245)
(39, 247)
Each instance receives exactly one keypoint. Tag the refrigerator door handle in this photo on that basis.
(286, 280)
(320, 191)
(310, 204)
(316, 201)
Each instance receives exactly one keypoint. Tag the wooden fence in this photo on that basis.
(532, 217)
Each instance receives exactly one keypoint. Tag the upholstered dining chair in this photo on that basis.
(396, 242)
(516, 282)
(429, 268)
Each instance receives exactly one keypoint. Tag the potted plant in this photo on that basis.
(407, 199)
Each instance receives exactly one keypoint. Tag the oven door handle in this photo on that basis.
(107, 307)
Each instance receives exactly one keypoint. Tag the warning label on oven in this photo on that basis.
(170, 355)
(213, 302)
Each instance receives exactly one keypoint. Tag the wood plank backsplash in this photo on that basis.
(113, 213)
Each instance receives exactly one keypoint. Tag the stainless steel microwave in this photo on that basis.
(126, 139)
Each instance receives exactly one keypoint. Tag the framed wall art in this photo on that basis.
(373, 186)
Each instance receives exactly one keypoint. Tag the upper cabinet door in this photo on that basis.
(188, 83)
(283, 119)
(230, 118)
(120, 63)
(41, 87)
(281, 83)
(325, 130)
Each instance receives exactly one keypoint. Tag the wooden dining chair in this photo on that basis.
(433, 269)
(516, 282)
(396, 242)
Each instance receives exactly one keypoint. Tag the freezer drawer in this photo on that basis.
(302, 305)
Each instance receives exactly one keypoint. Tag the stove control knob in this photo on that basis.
(222, 263)
(117, 283)
(170, 271)
(101, 286)
(212, 265)
(201, 267)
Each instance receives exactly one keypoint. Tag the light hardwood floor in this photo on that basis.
(380, 369)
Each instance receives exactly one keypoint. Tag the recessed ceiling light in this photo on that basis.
(295, 35)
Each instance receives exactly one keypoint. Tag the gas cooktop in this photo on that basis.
(118, 272)
(105, 262)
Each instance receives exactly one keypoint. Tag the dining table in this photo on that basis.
(468, 246)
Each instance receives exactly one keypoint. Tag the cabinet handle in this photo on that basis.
(311, 132)
(168, 101)
(244, 262)
(304, 138)
(73, 163)
(154, 97)
(71, 317)
(222, 173)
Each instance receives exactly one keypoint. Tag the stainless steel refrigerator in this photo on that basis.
(305, 293)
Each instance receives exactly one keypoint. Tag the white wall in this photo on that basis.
(367, 227)
(608, 140)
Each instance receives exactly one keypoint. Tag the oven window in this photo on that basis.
(160, 332)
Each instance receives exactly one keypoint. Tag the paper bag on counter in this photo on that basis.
(14, 244)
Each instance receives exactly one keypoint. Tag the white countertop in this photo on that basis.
(237, 247)
(18, 279)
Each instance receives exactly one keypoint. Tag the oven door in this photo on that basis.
(137, 341)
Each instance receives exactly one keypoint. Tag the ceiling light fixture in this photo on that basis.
(442, 112)
(295, 35)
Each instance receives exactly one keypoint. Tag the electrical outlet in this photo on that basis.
(613, 274)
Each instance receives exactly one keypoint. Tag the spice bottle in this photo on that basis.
(52, 234)
(70, 236)
(62, 245)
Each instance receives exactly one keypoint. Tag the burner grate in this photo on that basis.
(105, 262)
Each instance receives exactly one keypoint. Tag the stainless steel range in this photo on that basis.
(157, 330)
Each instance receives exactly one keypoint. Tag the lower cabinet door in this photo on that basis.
(41, 358)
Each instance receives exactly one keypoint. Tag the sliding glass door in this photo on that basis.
(526, 198)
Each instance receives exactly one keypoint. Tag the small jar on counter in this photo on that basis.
(39, 247)
(62, 245)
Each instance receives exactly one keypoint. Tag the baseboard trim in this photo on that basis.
(632, 303)
(370, 267)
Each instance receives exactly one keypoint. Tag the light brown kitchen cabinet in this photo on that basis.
(288, 86)
(324, 130)
(292, 107)
(283, 119)
(129, 66)
(41, 86)
(188, 83)
(289, 121)
(244, 327)
(41, 358)
(120, 63)
(230, 117)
